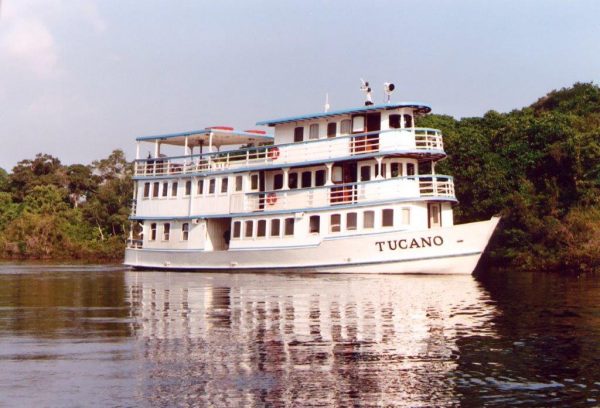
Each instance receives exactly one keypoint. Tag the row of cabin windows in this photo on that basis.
(166, 231)
(348, 126)
(305, 179)
(352, 218)
(273, 228)
(262, 228)
(158, 189)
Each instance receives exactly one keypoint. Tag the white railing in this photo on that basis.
(369, 191)
(389, 141)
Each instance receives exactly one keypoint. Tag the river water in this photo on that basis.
(107, 336)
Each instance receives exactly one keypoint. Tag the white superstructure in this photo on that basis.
(352, 190)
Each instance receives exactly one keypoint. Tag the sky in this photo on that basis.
(80, 78)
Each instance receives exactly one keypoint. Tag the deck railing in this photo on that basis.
(409, 187)
(394, 140)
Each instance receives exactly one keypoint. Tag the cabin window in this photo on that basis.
(358, 124)
(337, 174)
(396, 169)
(254, 182)
(238, 183)
(174, 189)
(211, 186)
(275, 227)
(369, 219)
(224, 185)
(185, 231)
(153, 231)
(331, 129)
(320, 178)
(200, 187)
(155, 189)
(406, 216)
(248, 229)
(188, 188)
(261, 228)
(387, 219)
(314, 224)
(293, 180)
(165, 189)
(407, 121)
(410, 169)
(351, 221)
(345, 127)
(237, 229)
(146, 190)
(335, 222)
(365, 173)
(306, 179)
(394, 121)
(289, 226)
(299, 134)
(166, 231)
(278, 182)
(313, 131)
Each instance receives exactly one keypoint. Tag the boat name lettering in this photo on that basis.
(422, 242)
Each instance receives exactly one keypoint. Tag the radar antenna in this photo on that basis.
(367, 90)
(327, 102)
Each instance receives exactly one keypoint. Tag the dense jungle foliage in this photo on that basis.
(538, 167)
(49, 210)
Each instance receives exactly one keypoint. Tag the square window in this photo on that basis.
(224, 185)
(275, 227)
(261, 228)
(146, 190)
(165, 189)
(278, 182)
(212, 186)
(155, 188)
(238, 183)
(335, 222)
(254, 182)
(314, 224)
(166, 231)
(153, 232)
(174, 187)
(331, 129)
(299, 134)
(188, 187)
(306, 179)
(293, 180)
(365, 173)
(387, 219)
(249, 225)
(351, 221)
(313, 131)
(289, 226)
(358, 124)
(237, 229)
(369, 219)
(185, 231)
(200, 187)
(320, 178)
(345, 127)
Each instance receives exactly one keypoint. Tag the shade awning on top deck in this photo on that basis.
(217, 136)
(419, 107)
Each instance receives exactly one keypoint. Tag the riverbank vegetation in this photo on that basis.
(539, 167)
(52, 211)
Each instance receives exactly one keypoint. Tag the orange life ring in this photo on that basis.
(271, 198)
(274, 153)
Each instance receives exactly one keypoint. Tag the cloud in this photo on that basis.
(30, 44)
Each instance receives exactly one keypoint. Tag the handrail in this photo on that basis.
(360, 143)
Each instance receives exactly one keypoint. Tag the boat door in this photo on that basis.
(344, 174)
(434, 211)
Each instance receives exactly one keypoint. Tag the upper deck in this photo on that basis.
(371, 131)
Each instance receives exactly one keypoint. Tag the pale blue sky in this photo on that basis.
(81, 78)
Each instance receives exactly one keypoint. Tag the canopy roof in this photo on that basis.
(217, 136)
(417, 106)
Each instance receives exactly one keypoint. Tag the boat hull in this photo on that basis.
(450, 250)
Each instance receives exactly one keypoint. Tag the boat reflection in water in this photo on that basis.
(258, 340)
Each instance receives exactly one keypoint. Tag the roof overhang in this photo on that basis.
(207, 136)
(418, 107)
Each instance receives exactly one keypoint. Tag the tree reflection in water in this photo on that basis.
(258, 340)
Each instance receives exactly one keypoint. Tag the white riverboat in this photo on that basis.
(351, 190)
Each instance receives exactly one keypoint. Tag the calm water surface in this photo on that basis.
(106, 336)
